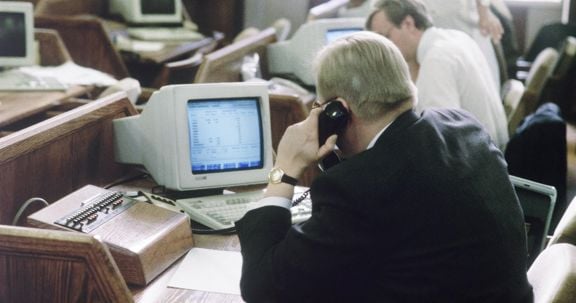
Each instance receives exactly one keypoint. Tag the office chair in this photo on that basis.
(184, 71)
(553, 275)
(327, 9)
(512, 91)
(565, 231)
(49, 266)
(560, 87)
(537, 151)
(549, 35)
(283, 29)
(225, 64)
(534, 84)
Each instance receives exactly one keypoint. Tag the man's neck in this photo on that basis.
(364, 132)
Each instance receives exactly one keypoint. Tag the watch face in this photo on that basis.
(276, 175)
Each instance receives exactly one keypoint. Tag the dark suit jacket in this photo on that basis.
(426, 215)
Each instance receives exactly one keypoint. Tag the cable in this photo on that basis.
(224, 231)
(127, 179)
(25, 205)
(302, 197)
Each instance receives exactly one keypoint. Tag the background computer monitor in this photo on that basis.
(293, 58)
(148, 11)
(200, 136)
(16, 34)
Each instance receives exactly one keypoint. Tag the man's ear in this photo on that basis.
(345, 103)
(408, 22)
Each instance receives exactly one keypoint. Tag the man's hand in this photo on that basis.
(489, 24)
(299, 148)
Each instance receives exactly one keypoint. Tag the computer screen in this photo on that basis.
(293, 58)
(148, 11)
(200, 136)
(537, 201)
(16, 34)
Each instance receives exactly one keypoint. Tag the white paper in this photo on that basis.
(70, 73)
(209, 270)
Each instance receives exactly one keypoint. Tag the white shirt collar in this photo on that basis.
(371, 144)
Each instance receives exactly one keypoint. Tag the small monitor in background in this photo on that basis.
(293, 58)
(196, 137)
(142, 12)
(16, 34)
(537, 201)
(333, 34)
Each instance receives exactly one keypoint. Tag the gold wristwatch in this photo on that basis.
(277, 176)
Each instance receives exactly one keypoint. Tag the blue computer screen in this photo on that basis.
(333, 34)
(225, 135)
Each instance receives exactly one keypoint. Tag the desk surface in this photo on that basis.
(171, 51)
(16, 106)
(157, 290)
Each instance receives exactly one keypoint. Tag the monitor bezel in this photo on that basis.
(131, 11)
(187, 180)
(30, 57)
(261, 155)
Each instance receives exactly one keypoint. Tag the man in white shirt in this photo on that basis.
(474, 18)
(448, 67)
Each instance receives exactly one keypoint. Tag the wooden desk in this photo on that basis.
(170, 52)
(16, 106)
(157, 290)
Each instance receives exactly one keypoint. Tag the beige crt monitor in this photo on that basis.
(294, 57)
(148, 11)
(16, 34)
(200, 136)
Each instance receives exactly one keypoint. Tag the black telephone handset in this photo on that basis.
(332, 120)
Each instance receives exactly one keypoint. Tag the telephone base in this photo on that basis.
(144, 239)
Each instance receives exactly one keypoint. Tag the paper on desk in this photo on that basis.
(209, 270)
(71, 74)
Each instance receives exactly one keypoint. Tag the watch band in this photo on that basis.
(277, 175)
(289, 180)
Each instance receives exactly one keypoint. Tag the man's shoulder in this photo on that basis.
(445, 44)
(440, 114)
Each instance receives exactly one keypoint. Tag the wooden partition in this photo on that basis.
(87, 41)
(50, 266)
(52, 49)
(61, 154)
(224, 65)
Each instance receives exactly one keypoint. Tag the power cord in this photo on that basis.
(302, 197)
(25, 205)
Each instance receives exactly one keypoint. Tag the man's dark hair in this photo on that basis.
(398, 10)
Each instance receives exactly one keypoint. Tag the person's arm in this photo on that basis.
(297, 150)
(488, 22)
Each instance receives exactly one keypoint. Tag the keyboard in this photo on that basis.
(221, 211)
(15, 80)
(164, 33)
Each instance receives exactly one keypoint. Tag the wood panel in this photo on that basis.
(59, 155)
(57, 267)
(224, 65)
(87, 41)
